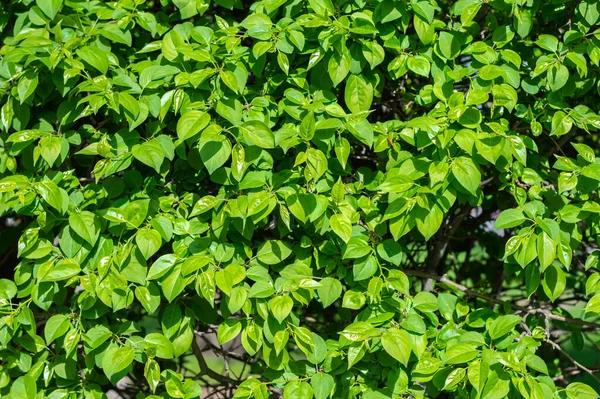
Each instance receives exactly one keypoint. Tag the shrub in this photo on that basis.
(375, 199)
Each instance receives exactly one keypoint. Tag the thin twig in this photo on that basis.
(575, 362)
(544, 312)
(437, 253)
(205, 370)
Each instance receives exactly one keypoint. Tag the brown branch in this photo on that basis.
(370, 230)
(438, 251)
(444, 280)
(487, 181)
(242, 357)
(569, 372)
(205, 370)
(544, 312)
(575, 362)
(548, 314)
(558, 145)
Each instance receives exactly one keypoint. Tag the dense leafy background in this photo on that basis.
(339, 199)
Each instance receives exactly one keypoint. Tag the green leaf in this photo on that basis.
(460, 353)
(476, 97)
(398, 281)
(414, 323)
(362, 131)
(297, 38)
(547, 42)
(281, 306)
(353, 300)
(298, 390)
(341, 225)
(173, 284)
(229, 79)
(579, 390)
(467, 174)
(424, 9)
(388, 11)
(454, 378)
(557, 76)
(159, 344)
(95, 57)
(585, 151)
(150, 153)
(237, 299)
(429, 221)
(491, 72)
(8, 289)
(509, 218)
(419, 65)
(96, 336)
(258, 133)
(471, 118)
(117, 359)
(224, 281)
(358, 94)
(64, 269)
(283, 62)
(49, 7)
(23, 387)
(307, 126)
(397, 343)
(51, 147)
(342, 150)
(449, 45)
(503, 325)
(214, 152)
(157, 72)
(191, 123)
(561, 124)
(425, 302)
(261, 289)
(532, 279)
(329, 291)
(357, 247)
(56, 327)
(149, 297)
(316, 162)
(86, 225)
(523, 21)
(204, 204)
(55, 196)
(505, 96)
(546, 250)
(228, 330)
(339, 65)
(554, 282)
(322, 7)
(161, 266)
(469, 12)
(390, 251)
(26, 87)
(274, 252)
(113, 33)
(322, 385)
(364, 270)
(238, 162)
(593, 305)
(148, 241)
(373, 53)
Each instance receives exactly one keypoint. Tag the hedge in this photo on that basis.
(288, 198)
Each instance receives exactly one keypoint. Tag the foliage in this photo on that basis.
(378, 199)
